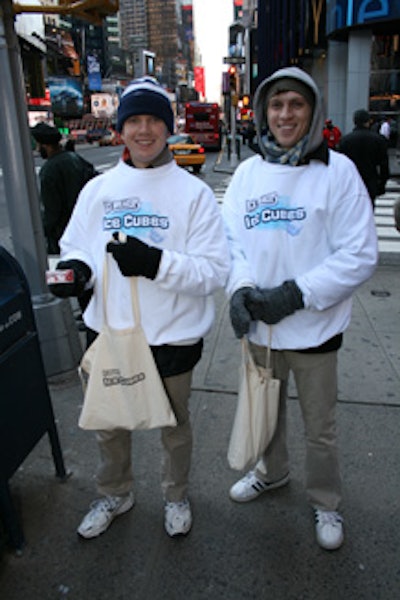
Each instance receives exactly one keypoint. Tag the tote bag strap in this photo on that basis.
(268, 362)
(134, 294)
(245, 343)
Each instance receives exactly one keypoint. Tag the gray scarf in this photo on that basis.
(277, 154)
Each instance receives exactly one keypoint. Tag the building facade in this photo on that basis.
(351, 48)
(363, 60)
(162, 31)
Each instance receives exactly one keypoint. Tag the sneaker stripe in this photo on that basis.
(259, 486)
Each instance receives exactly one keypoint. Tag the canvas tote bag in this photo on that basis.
(122, 386)
(256, 411)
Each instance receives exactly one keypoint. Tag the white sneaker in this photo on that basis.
(250, 487)
(329, 529)
(177, 517)
(103, 512)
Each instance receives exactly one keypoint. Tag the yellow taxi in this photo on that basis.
(186, 152)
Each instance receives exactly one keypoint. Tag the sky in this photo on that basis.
(211, 20)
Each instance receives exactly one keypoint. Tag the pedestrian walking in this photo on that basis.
(368, 151)
(332, 134)
(302, 238)
(61, 179)
(385, 128)
(176, 247)
(396, 214)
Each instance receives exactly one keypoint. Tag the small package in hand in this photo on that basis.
(59, 276)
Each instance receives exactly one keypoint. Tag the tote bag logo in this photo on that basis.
(114, 377)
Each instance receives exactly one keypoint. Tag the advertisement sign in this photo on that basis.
(187, 21)
(104, 105)
(199, 82)
(66, 96)
(342, 13)
(93, 73)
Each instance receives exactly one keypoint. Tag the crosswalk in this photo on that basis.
(388, 236)
(220, 188)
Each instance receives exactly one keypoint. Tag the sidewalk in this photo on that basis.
(264, 549)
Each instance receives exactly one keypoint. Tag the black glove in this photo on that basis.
(134, 257)
(272, 305)
(240, 316)
(82, 274)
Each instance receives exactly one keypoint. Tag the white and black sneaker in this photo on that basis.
(250, 487)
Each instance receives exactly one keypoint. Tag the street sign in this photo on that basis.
(234, 60)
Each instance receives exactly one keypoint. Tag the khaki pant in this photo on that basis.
(316, 381)
(115, 476)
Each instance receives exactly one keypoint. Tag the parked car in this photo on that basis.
(186, 152)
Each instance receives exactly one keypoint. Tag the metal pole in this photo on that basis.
(18, 167)
(234, 157)
(58, 334)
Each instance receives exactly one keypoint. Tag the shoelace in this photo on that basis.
(328, 517)
(181, 504)
(105, 504)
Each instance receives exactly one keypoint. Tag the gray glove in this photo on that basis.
(240, 316)
(272, 305)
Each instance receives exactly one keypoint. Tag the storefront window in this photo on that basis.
(385, 83)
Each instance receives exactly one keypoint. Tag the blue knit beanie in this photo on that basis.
(145, 96)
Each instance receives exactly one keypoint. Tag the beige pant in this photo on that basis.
(115, 476)
(316, 381)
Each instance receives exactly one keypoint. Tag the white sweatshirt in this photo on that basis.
(312, 223)
(170, 209)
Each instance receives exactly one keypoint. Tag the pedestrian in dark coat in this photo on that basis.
(368, 151)
(62, 177)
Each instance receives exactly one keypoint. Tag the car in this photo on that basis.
(186, 152)
(95, 134)
(110, 138)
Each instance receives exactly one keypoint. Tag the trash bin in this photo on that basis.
(26, 412)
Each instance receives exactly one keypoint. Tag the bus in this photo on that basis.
(202, 123)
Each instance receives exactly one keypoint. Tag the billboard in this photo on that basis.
(66, 96)
(104, 105)
(199, 80)
(93, 73)
(345, 13)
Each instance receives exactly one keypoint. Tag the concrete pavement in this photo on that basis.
(264, 549)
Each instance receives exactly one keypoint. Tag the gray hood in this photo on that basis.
(318, 118)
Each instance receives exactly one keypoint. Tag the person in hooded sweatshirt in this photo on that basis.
(176, 247)
(302, 236)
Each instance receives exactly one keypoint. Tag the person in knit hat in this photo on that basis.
(302, 238)
(161, 224)
(61, 179)
(145, 96)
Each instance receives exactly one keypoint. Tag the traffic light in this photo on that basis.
(232, 78)
(246, 100)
